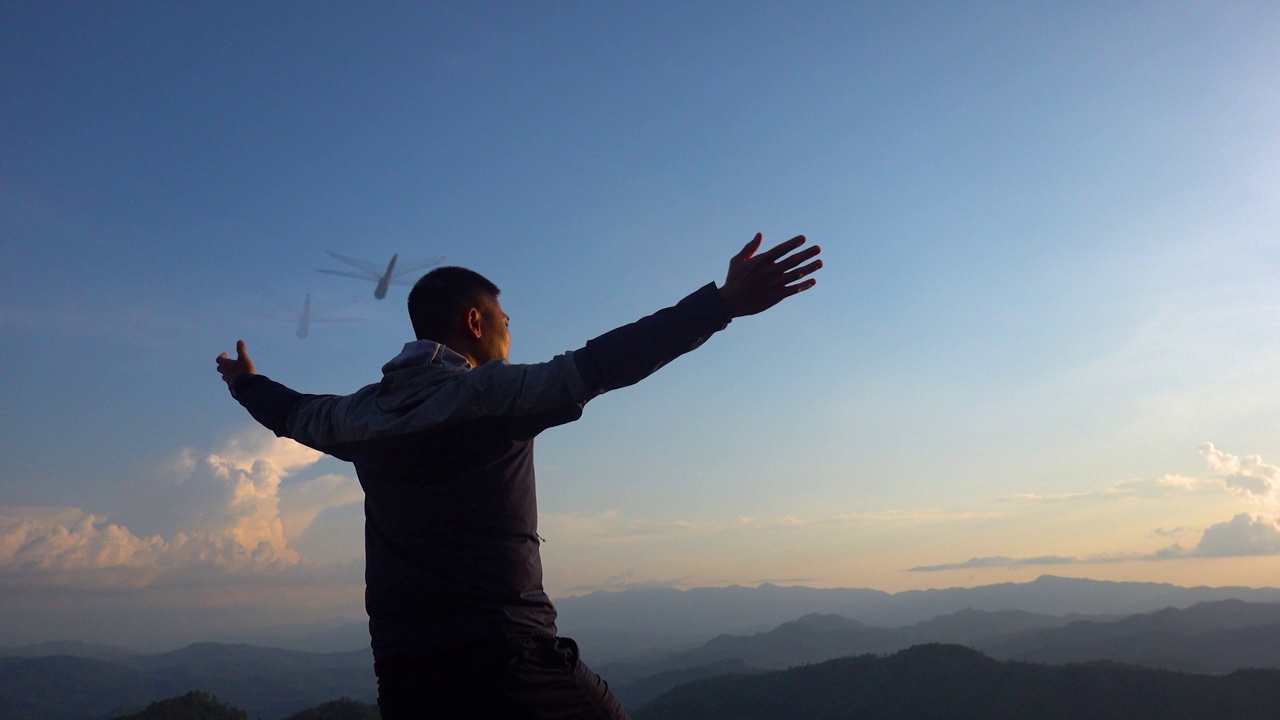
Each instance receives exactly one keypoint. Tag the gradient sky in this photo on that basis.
(1044, 340)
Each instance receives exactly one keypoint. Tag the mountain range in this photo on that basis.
(1210, 638)
(950, 682)
(1192, 630)
(265, 682)
(606, 624)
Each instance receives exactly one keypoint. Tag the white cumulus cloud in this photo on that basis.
(1243, 535)
(227, 512)
(302, 502)
(1248, 477)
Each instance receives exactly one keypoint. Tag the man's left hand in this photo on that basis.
(241, 365)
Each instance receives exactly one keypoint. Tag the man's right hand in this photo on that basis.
(241, 365)
(756, 283)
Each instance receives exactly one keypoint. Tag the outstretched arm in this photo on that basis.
(267, 401)
(755, 283)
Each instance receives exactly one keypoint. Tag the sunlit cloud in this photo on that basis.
(302, 502)
(226, 514)
(60, 546)
(1164, 486)
(999, 561)
(1248, 477)
(1246, 534)
(1174, 532)
(1243, 535)
(613, 526)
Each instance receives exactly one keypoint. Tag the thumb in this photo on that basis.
(749, 249)
(241, 350)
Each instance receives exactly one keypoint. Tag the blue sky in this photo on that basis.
(1050, 235)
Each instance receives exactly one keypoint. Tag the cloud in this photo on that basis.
(1248, 477)
(999, 561)
(626, 580)
(1243, 535)
(57, 545)
(1170, 532)
(612, 526)
(1164, 486)
(1247, 534)
(302, 502)
(223, 514)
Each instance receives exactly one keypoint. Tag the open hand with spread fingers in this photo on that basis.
(756, 283)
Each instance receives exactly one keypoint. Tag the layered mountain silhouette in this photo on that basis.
(1208, 638)
(643, 622)
(1214, 631)
(958, 683)
(265, 682)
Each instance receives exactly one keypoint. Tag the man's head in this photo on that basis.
(459, 308)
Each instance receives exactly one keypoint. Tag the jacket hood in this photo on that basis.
(420, 353)
(414, 375)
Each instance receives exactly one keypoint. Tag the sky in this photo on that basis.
(1043, 341)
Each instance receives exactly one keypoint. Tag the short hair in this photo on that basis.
(441, 295)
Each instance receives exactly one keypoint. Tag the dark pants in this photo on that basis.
(520, 678)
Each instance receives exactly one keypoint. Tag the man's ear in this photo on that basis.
(474, 324)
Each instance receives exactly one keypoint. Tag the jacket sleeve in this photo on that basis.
(628, 354)
(271, 404)
(533, 397)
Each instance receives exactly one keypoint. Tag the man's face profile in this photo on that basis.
(495, 339)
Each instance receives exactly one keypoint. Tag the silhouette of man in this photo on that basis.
(443, 447)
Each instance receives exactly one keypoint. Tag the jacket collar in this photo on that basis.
(425, 352)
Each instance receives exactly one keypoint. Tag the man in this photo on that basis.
(443, 447)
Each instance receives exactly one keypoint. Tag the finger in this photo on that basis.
(749, 249)
(241, 349)
(800, 287)
(222, 357)
(781, 249)
(801, 271)
(791, 261)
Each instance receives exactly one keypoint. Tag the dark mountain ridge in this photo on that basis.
(958, 683)
(1188, 640)
(708, 612)
(1216, 637)
(266, 682)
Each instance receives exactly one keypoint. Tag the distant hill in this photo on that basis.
(949, 681)
(203, 706)
(249, 658)
(702, 613)
(331, 636)
(1216, 637)
(610, 645)
(267, 682)
(192, 706)
(640, 691)
(968, 626)
(810, 639)
(62, 687)
(1213, 638)
(110, 653)
(340, 709)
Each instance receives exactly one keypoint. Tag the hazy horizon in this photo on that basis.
(1042, 343)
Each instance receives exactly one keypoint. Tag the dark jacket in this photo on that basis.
(444, 452)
